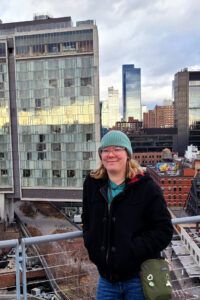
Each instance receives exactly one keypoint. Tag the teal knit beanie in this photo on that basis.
(116, 138)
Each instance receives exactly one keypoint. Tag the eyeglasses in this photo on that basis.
(115, 150)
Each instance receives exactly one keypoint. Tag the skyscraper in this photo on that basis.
(187, 108)
(131, 92)
(111, 108)
(49, 107)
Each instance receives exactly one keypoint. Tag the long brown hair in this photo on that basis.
(132, 169)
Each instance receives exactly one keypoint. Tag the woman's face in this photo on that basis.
(114, 159)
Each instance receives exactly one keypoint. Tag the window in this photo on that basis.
(56, 147)
(72, 100)
(1, 85)
(56, 173)
(86, 81)
(179, 189)
(2, 94)
(26, 138)
(84, 46)
(38, 103)
(53, 83)
(42, 155)
(38, 48)
(29, 155)
(85, 173)
(69, 46)
(41, 138)
(4, 172)
(88, 137)
(20, 50)
(26, 173)
(44, 173)
(87, 155)
(2, 155)
(55, 128)
(53, 48)
(2, 49)
(41, 147)
(68, 82)
(70, 173)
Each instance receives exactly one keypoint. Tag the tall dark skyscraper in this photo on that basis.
(187, 108)
(131, 92)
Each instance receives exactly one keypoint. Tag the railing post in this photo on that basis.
(24, 279)
(17, 264)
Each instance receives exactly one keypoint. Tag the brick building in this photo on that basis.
(132, 126)
(159, 117)
(147, 158)
(175, 187)
(152, 158)
(149, 119)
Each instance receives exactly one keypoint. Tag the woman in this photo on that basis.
(125, 219)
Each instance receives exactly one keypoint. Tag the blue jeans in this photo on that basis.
(125, 290)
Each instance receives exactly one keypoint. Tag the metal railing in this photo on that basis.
(21, 257)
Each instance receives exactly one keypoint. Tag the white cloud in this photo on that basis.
(159, 36)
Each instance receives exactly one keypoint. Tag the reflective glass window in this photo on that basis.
(56, 173)
(26, 173)
(2, 49)
(70, 173)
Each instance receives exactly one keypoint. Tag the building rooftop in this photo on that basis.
(188, 262)
(37, 20)
(171, 169)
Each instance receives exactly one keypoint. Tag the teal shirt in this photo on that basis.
(114, 190)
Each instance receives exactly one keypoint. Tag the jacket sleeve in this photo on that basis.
(85, 211)
(159, 228)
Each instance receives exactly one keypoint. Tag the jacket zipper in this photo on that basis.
(109, 221)
(108, 233)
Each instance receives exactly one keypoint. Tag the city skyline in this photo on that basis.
(156, 36)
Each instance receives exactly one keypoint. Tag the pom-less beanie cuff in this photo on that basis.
(116, 138)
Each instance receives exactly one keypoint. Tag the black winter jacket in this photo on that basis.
(137, 226)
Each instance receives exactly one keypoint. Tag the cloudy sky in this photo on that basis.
(159, 36)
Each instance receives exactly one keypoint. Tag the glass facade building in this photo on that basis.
(56, 84)
(6, 178)
(110, 113)
(187, 108)
(194, 101)
(131, 92)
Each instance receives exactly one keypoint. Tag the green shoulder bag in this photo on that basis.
(155, 279)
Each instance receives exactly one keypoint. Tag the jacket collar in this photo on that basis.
(136, 178)
(103, 183)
